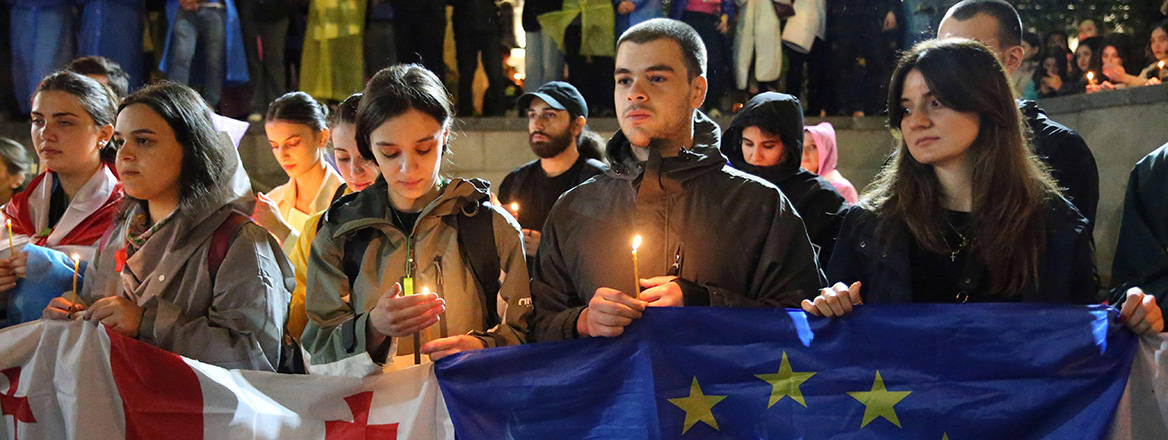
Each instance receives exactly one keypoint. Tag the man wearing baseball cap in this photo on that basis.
(568, 154)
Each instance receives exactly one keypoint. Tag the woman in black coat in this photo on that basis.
(963, 212)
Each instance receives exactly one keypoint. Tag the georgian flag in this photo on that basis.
(76, 380)
(972, 371)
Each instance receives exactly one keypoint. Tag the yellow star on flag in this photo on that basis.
(945, 436)
(879, 402)
(786, 383)
(698, 407)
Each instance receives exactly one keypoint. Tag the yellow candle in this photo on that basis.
(11, 249)
(76, 265)
(636, 269)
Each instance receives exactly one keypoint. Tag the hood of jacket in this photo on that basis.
(824, 136)
(232, 189)
(776, 113)
(702, 158)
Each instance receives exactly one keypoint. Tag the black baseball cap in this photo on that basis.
(558, 95)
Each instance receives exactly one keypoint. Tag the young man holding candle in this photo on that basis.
(996, 24)
(569, 154)
(711, 236)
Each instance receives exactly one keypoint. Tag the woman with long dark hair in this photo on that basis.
(409, 251)
(962, 212)
(184, 269)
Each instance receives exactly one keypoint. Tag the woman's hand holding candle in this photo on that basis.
(398, 315)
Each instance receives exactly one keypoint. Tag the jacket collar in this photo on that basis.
(688, 164)
(370, 207)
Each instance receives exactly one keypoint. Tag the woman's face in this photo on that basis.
(1083, 57)
(408, 150)
(150, 159)
(760, 148)
(357, 172)
(1050, 64)
(934, 134)
(1111, 56)
(65, 137)
(1159, 44)
(297, 147)
(810, 154)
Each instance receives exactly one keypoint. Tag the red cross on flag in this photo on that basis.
(73, 379)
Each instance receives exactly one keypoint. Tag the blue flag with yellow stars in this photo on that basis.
(914, 371)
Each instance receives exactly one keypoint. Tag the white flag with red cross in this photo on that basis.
(73, 379)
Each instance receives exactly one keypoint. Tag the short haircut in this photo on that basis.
(1009, 23)
(117, 78)
(663, 28)
(298, 107)
(395, 90)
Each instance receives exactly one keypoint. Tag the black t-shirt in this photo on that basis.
(950, 277)
(535, 192)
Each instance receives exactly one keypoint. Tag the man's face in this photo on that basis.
(549, 131)
(983, 28)
(654, 96)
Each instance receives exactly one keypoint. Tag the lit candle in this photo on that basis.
(76, 266)
(1091, 78)
(11, 248)
(1160, 68)
(636, 269)
(514, 210)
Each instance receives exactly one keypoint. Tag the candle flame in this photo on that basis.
(1090, 75)
(9, 221)
(1160, 64)
(425, 290)
(636, 242)
(76, 257)
(514, 207)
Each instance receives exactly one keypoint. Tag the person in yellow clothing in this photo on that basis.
(358, 174)
(295, 125)
(332, 64)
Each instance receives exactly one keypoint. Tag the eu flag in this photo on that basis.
(913, 371)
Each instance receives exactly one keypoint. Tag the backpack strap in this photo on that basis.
(221, 240)
(354, 251)
(476, 243)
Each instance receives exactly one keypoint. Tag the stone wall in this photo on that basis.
(1120, 127)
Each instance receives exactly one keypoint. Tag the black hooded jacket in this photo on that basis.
(731, 238)
(816, 200)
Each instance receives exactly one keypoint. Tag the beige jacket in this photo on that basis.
(285, 198)
(337, 329)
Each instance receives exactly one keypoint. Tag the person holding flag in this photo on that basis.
(962, 212)
(183, 268)
(668, 183)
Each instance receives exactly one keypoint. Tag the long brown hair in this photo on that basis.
(1010, 186)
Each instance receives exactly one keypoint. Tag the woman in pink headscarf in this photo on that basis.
(819, 157)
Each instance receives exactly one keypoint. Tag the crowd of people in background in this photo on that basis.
(384, 258)
(834, 54)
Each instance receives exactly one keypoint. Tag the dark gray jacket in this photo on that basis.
(732, 238)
